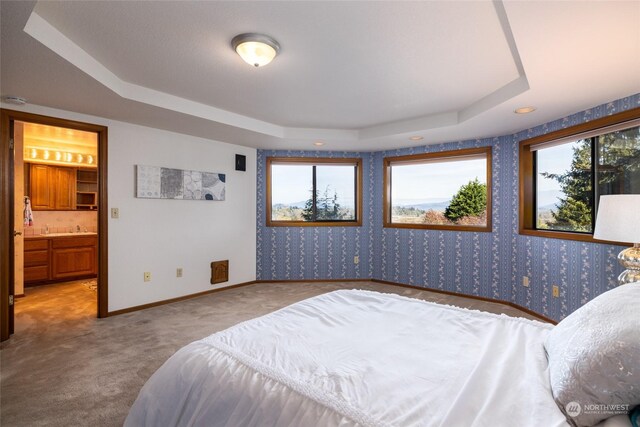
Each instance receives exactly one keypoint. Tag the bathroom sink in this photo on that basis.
(83, 233)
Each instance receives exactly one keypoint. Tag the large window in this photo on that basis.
(447, 190)
(563, 174)
(313, 191)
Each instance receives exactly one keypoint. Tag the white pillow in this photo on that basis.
(594, 357)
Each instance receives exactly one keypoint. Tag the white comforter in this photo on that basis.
(351, 358)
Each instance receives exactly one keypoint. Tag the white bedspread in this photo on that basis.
(352, 358)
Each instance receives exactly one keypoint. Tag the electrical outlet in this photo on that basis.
(356, 259)
(147, 276)
(178, 272)
(525, 281)
(555, 291)
(115, 213)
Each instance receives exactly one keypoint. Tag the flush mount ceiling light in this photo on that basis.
(524, 110)
(416, 138)
(318, 143)
(255, 49)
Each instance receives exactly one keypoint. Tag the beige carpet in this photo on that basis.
(64, 367)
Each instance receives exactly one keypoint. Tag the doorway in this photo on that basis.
(67, 193)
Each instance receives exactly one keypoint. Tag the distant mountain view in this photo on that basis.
(436, 204)
(299, 205)
(295, 212)
(466, 207)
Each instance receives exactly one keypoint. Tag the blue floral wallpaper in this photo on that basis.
(486, 264)
(290, 253)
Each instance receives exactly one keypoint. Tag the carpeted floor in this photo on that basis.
(64, 367)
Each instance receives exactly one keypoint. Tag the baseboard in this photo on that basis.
(312, 280)
(19, 296)
(384, 282)
(475, 297)
(172, 300)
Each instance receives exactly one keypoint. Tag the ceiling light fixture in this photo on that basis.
(16, 100)
(255, 49)
(416, 138)
(524, 110)
(318, 143)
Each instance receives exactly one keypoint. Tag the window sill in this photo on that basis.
(314, 224)
(486, 229)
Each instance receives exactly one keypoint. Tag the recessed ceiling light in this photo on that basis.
(416, 138)
(318, 143)
(255, 49)
(524, 110)
(16, 100)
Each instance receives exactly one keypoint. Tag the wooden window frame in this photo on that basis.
(355, 161)
(386, 186)
(526, 172)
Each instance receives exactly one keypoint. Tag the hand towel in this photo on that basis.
(28, 213)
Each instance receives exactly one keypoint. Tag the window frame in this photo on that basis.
(526, 176)
(355, 161)
(416, 158)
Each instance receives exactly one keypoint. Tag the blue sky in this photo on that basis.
(433, 181)
(553, 160)
(413, 183)
(293, 183)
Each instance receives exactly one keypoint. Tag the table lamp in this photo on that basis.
(618, 220)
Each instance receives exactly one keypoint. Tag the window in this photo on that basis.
(448, 190)
(563, 174)
(314, 191)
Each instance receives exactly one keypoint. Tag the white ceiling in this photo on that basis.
(357, 75)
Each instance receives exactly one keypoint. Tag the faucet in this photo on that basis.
(77, 228)
(46, 229)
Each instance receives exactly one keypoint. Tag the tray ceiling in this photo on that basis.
(357, 75)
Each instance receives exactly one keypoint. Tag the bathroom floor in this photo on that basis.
(48, 307)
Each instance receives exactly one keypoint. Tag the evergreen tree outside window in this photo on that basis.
(572, 175)
(563, 173)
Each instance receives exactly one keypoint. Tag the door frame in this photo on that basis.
(7, 117)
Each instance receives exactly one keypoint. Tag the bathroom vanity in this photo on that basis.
(60, 256)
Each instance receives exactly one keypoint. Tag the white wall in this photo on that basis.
(161, 235)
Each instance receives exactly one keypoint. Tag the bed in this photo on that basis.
(358, 358)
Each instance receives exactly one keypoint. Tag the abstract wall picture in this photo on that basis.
(154, 182)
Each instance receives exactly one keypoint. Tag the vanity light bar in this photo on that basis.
(61, 157)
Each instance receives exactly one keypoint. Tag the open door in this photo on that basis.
(7, 230)
(11, 220)
(18, 214)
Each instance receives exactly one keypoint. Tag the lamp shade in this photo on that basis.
(618, 218)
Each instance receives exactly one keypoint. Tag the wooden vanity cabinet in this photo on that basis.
(50, 259)
(52, 187)
(73, 257)
(41, 187)
(36, 260)
(65, 188)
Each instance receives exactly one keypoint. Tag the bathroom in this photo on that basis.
(55, 218)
